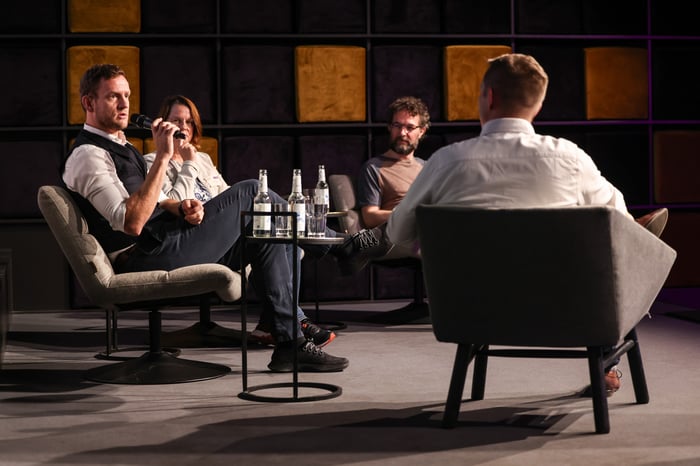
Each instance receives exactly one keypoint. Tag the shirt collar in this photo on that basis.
(507, 125)
(104, 134)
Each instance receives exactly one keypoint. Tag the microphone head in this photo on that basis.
(142, 121)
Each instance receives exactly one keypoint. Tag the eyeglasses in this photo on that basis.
(400, 127)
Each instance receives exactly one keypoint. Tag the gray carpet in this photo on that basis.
(389, 411)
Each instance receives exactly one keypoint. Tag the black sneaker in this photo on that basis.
(310, 358)
(320, 336)
(358, 250)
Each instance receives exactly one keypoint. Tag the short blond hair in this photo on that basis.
(518, 79)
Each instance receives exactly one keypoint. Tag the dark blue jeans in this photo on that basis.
(168, 242)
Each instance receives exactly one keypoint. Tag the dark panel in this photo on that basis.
(178, 16)
(257, 16)
(393, 282)
(331, 16)
(477, 17)
(27, 165)
(618, 17)
(39, 269)
(548, 17)
(566, 95)
(258, 84)
(675, 17)
(331, 285)
(681, 233)
(243, 156)
(676, 166)
(622, 157)
(37, 16)
(32, 80)
(668, 81)
(186, 70)
(406, 16)
(342, 154)
(402, 70)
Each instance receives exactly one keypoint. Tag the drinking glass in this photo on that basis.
(315, 215)
(282, 229)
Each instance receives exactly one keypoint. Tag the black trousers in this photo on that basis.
(169, 242)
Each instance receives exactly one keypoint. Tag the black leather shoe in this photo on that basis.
(358, 250)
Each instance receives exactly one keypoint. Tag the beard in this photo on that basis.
(109, 122)
(402, 147)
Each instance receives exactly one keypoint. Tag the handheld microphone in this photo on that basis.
(142, 121)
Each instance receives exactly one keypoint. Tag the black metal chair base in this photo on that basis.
(334, 391)
(112, 356)
(333, 325)
(156, 368)
(412, 313)
(203, 335)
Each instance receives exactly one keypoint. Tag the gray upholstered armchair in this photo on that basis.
(557, 278)
(141, 290)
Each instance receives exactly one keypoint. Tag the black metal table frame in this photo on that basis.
(329, 325)
(249, 393)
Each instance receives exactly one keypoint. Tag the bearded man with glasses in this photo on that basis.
(385, 179)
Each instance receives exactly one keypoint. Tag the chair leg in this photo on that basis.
(111, 333)
(639, 381)
(465, 353)
(111, 325)
(112, 345)
(600, 399)
(479, 377)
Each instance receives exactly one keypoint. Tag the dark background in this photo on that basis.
(236, 60)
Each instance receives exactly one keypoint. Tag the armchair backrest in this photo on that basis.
(84, 253)
(110, 290)
(342, 193)
(572, 276)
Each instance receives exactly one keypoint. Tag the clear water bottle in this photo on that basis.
(262, 203)
(322, 194)
(297, 203)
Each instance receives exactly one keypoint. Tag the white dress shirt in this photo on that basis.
(90, 172)
(507, 166)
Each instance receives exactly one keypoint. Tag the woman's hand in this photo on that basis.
(188, 151)
(192, 210)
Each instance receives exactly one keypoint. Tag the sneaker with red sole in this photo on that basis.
(319, 335)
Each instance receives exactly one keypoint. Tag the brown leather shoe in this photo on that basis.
(612, 381)
(655, 221)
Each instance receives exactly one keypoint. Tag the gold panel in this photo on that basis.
(464, 68)
(104, 15)
(616, 83)
(330, 83)
(80, 58)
